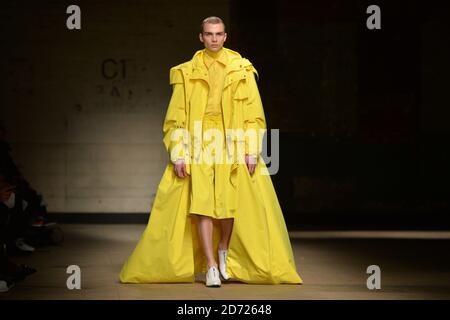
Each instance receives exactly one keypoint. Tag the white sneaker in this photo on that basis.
(22, 245)
(212, 277)
(223, 264)
(5, 285)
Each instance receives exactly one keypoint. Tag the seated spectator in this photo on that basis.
(10, 273)
(37, 208)
(15, 209)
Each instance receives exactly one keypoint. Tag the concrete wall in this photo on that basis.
(84, 109)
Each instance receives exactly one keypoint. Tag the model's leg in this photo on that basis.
(205, 229)
(226, 226)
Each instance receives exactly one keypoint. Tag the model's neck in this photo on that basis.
(213, 54)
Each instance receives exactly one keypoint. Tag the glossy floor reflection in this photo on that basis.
(333, 264)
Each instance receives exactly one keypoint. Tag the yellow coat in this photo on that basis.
(169, 249)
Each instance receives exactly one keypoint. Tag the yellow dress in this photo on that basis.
(169, 250)
(212, 193)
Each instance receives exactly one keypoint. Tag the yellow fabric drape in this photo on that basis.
(169, 249)
(215, 63)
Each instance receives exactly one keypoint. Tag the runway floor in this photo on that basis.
(333, 265)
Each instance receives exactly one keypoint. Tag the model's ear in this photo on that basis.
(225, 37)
(200, 36)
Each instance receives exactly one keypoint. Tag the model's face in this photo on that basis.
(213, 36)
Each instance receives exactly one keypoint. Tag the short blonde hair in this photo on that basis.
(212, 20)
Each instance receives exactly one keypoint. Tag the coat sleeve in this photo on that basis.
(254, 115)
(174, 132)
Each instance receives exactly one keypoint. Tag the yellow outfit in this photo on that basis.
(169, 249)
(216, 63)
(212, 194)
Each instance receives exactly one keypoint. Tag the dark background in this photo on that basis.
(365, 111)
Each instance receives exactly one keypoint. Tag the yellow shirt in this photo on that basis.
(215, 62)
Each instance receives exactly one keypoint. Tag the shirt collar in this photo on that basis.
(209, 57)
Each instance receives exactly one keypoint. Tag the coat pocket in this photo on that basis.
(240, 91)
(234, 79)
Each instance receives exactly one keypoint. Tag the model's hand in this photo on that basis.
(180, 168)
(251, 163)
